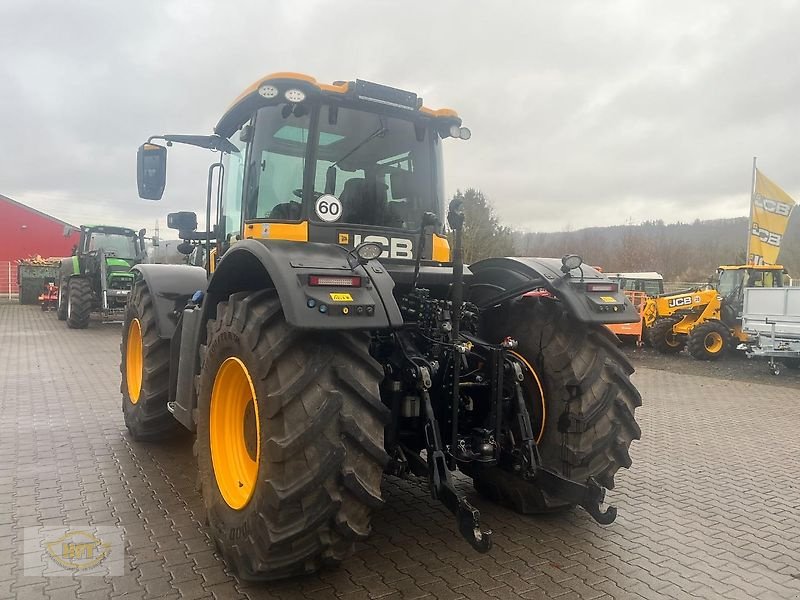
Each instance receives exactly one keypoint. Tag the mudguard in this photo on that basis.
(171, 287)
(69, 266)
(583, 291)
(287, 265)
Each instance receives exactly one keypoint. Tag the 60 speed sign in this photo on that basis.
(328, 208)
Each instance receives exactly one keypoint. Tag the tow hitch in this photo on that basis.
(440, 479)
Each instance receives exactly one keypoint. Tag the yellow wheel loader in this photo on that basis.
(707, 321)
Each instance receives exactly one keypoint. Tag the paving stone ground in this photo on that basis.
(710, 509)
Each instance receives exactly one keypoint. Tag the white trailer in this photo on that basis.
(771, 319)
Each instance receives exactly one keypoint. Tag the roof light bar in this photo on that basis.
(389, 96)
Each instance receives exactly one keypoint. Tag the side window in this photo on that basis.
(729, 282)
(280, 185)
(231, 218)
(276, 163)
(652, 288)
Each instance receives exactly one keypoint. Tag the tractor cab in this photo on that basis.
(117, 242)
(344, 163)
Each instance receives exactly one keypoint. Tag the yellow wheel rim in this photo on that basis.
(133, 361)
(234, 433)
(713, 342)
(672, 340)
(532, 371)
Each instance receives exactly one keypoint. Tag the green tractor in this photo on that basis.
(98, 277)
(334, 338)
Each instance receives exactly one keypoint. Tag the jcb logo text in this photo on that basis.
(766, 236)
(773, 206)
(392, 247)
(682, 301)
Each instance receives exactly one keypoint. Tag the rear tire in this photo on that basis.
(709, 340)
(61, 304)
(589, 401)
(662, 337)
(79, 303)
(319, 455)
(144, 368)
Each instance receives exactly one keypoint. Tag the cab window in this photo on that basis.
(276, 163)
(378, 166)
(730, 281)
(231, 218)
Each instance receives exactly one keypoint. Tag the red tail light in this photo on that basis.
(334, 281)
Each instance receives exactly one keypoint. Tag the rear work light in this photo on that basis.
(606, 286)
(334, 281)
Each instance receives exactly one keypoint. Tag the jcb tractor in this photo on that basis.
(334, 338)
(707, 321)
(97, 277)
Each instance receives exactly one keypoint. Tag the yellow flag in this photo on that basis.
(770, 212)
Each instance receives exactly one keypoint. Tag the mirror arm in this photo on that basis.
(210, 142)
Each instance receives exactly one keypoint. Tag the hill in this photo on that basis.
(680, 251)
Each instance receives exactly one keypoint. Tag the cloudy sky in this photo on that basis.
(582, 113)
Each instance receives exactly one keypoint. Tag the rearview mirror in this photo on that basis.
(185, 222)
(151, 171)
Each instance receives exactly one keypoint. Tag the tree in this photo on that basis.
(484, 236)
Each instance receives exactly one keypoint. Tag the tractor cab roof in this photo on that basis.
(753, 267)
(275, 87)
(647, 275)
(109, 229)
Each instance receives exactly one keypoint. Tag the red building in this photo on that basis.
(24, 232)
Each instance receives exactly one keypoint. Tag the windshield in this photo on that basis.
(763, 278)
(379, 167)
(112, 244)
(382, 169)
(729, 282)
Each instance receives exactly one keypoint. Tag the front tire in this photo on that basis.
(589, 402)
(289, 439)
(144, 368)
(79, 303)
(663, 338)
(709, 340)
(61, 304)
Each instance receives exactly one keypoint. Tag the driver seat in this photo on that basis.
(287, 211)
(354, 200)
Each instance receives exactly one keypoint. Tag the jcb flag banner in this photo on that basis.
(770, 215)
